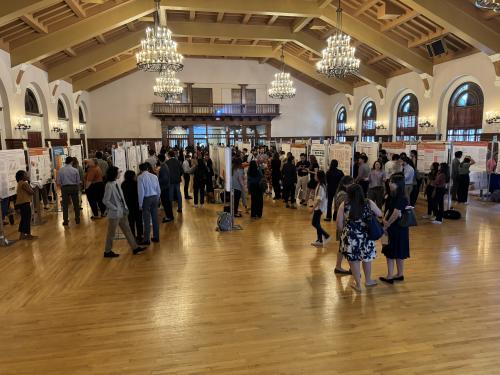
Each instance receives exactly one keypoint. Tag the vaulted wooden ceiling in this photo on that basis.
(92, 42)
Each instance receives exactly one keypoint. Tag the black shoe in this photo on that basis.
(399, 278)
(138, 250)
(65, 223)
(342, 272)
(11, 219)
(385, 280)
(145, 243)
(167, 219)
(77, 221)
(110, 254)
(179, 211)
(327, 219)
(188, 198)
(156, 240)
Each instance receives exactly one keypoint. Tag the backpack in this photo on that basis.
(224, 222)
(452, 215)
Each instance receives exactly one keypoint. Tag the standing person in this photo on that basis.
(313, 182)
(429, 191)
(464, 180)
(455, 163)
(289, 181)
(491, 164)
(114, 200)
(418, 178)
(149, 195)
(79, 168)
(352, 219)
(94, 187)
(131, 194)
(363, 173)
(238, 181)
(303, 178)
(24, 195)
(254, 178)
(102, 164)
(409, 174)
(164, 180)
(152, 160)
(199, 181)
(382, 157)
(439, 193)
(210, 177)
(276, 175)
(398, 248)
(68, 179)
(392, 166)
(376, 180)
(175, 169)
(355, 164)
(320, 206)
(187, 170)
(333, 177)
(340, 197)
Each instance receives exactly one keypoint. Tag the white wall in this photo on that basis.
(121, 108)
(448, 76)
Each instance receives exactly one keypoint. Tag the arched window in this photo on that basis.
(465, 113)
(61, 111)
(368, 120)
(341, 124)
(407, 122)
(81, 117)
(30, 103)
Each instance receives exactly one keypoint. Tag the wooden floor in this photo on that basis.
(256, 301)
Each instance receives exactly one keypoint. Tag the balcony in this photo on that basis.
(215, 110)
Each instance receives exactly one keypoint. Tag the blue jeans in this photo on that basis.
(176, 189)
(150, 214)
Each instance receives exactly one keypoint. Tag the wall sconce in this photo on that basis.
(425, 123)
(79, 130)
(492, 118)
(349, 129)
(379, 126)
(23, 123)
(56, 127)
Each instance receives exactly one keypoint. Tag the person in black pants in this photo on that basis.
(24, 195)
(130, 193)
(164, 180)
(255, 190)
(439, 193)
(333, 177)
(199, 181)
(237, 179)
(187, 170)
(289, 182)
(210, 176)
(276, 175)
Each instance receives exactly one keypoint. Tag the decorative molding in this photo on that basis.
(381, 94)
(427, 82)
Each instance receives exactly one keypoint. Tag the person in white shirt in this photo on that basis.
(187, 169)
(409, 174)
(392, 166)
(152, 160)
(320, 207)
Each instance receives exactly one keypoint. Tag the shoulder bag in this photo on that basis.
(408, 218)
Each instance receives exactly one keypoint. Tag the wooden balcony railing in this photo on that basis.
(166, 109)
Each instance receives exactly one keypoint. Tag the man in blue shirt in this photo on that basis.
(68, 178)
(149, 195)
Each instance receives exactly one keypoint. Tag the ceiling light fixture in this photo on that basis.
(168, 87)
(493, 5)
(338, 58)
(158, 51)
(282, 86)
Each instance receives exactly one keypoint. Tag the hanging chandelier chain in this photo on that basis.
(282, 59)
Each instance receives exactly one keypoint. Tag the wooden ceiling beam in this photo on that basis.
(220, 17)
(13, 9)
(363, 8)
(70, 52)
(192, 15)
(376, 59)
(460, 19)
(79, 32)
(100, 39)
(408, 16)
(34, 23)
(301, 23)
(76, 8)
(246, 18)
(427, 38)
(272, 20)
(324, 3)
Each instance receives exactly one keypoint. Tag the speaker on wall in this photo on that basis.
(436, 48)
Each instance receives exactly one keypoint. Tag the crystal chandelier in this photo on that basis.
(158, 51)
(493, 5)
(168, 86)
(338, 58)
(282, 86)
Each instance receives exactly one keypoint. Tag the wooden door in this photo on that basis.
(35, 139)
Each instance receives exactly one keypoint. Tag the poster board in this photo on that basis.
(393, 148)
(370, 149)
(76, 152)
(431, 152)
(59, 154)
(144, 153)
(132, 160)
(120, 161)
(318, 150)
(221, 160)
(296, 149)
(342, 152)
(286, 147)
(248, 146)
(40, 166)
(11, 161)
(158, 146)
(478, 151)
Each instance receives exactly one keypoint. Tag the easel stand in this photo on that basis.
(37, 217)
(4, 242)
(231, 209)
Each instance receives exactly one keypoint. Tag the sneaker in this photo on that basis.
(327, 219)
(195, 206)
(432, 218)
(111, 254)
(167, 220)
(138, 250)
(426, 216)
(65, 223)
(317, 244)
(327, 239)
(77, 221)
(436, 222)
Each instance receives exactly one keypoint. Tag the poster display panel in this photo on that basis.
(297, 149)
(318, 150)
(370, 149)
(11, 161)
(158, 145)
(342, 152)
(222, 162)
(76, 152)
(40, 166)
(286, 147)
(431, 152)
(478, 151)
(120, 159)
(393, 148)
(132, 160)
(59, 154)
(143, 149)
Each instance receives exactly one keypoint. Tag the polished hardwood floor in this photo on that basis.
(256, 301)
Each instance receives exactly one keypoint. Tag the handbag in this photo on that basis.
(375, 230)
(408, 218)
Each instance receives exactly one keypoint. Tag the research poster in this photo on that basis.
(132, 161)
(478, 151)
(286, 147)
(144, 153)
(342, 152)
(120, 159)
(297, 149)
(59, 156)
(40, 166)
(221, 159)
(318, 150)
(76, 152)
(11, 161)
(431, 152)
(370, 149)
(158, 145)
